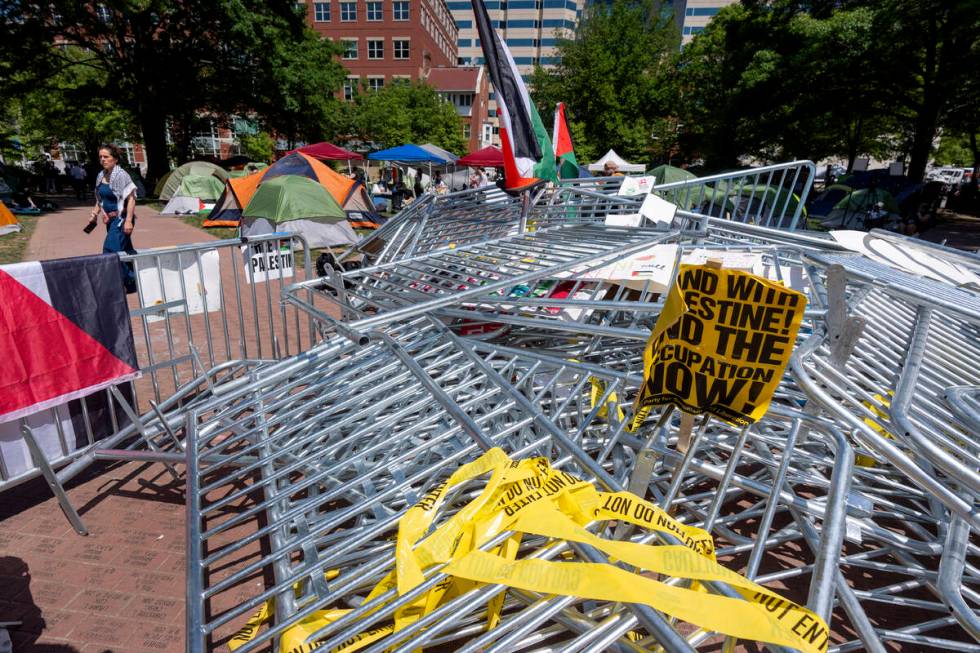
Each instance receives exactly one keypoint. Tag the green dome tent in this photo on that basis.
(666, 174)
(200, 186)
(863, 198)
(172, 182)
(864, 208)
(296, 204)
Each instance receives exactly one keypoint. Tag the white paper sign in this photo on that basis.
(658, 210)
(264, 261)
(637, 185)
(183, 278)
(624, 220)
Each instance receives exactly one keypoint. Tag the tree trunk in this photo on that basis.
(154, 127)
(925, 132)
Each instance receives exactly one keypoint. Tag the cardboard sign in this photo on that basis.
(182, 278)
(658, 210)
(637, 185)
(269, 260)
(721, 344)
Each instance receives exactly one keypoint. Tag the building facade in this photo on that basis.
(529, 27)
(385, 40)
(467, 88)
(694, 15)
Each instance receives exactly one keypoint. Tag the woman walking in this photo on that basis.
(115, 201)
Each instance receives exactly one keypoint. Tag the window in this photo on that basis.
(321, 12)
(348, 12)
(466, 130)
(349, 85)
(400, 9)
(350, 49)
(374, 11)
(465, 99)
(376, 83)
(376, 49)
(401, 48)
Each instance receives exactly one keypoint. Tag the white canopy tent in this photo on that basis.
(621, 163)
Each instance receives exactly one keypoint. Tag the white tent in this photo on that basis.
(180, 205)
(623, 164)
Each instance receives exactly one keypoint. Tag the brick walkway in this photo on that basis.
(121, 589)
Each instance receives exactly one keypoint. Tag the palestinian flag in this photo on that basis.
(528, 155)
(65, 331)
(562, 139)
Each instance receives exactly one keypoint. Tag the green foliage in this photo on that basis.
(76, 105)
(258, 147)
(610, 78)
(769, 80)
(954, 150)
(172, 60)
(404, 112)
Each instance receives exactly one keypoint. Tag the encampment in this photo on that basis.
(863, 208)
(349, 194)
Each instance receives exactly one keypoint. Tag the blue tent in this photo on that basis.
(407, 154)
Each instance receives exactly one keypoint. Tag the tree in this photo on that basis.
(76, 105)
(258, 147)
(610, 77)
(172, 60)
(404, 112)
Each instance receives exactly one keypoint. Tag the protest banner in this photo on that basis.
(720, 345)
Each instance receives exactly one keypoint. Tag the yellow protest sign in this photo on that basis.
(721, 344)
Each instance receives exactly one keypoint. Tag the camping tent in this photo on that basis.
(171, 184)
(623, 164)
(752, 200)
(8, 223)
(297, 204)
(327, 152)
(824, 203)
(488, 157)
(349, 194)
(666, 174)
(182, 205)
(863, 208)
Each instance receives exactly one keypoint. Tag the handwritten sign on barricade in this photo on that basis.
(720, 345)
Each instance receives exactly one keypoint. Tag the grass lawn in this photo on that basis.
(197, 219)
(12, 246)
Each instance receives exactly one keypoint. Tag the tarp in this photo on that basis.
(180, 205)
(488, 157)
(316, 234)
(327, 152)
(200, 186)
(8, 223)
(666, 174)
(407, 154)
(438, 151)
(171, 183)
(623, 164)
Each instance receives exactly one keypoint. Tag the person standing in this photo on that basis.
(115, 202)
(78, 181)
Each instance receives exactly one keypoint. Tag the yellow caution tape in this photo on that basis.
(530, 497)
(869, 461)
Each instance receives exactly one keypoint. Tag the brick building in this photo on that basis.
(467, 87)
(386, 40)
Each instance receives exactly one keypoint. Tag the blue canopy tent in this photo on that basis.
(409, 155)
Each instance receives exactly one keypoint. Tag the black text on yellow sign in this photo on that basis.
(721, 344)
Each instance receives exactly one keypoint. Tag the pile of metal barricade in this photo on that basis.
(477, 321)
